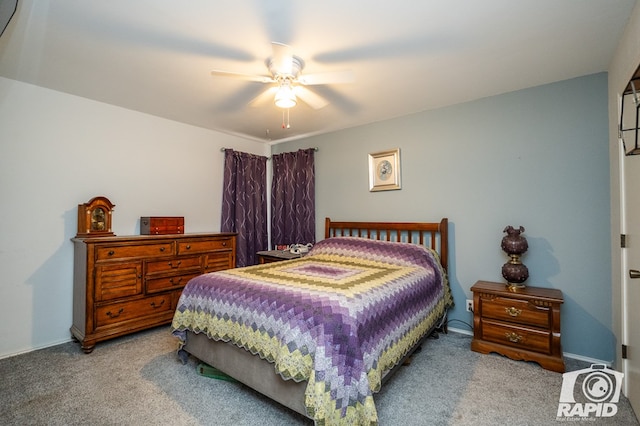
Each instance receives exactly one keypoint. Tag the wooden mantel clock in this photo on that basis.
(94, 218)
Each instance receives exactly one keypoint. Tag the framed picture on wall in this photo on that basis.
(384, 170)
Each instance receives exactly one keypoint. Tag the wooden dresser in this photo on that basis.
(522, 324)
(126, 284)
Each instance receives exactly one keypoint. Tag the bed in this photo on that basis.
(322, 333)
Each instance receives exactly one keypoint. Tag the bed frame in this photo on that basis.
(433, 235)
(260, 374)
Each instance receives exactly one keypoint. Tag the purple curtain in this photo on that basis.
(293, 203)
(244, 205)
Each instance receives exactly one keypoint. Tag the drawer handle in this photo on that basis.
(154, 306)
(110, 315)
(176, 265)
(188, 246)
(111, 252)
(224, 244)
(161, 248)
(172, 282)
(513, 337)
(513, 311)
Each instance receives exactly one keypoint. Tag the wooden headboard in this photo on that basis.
(433, 235)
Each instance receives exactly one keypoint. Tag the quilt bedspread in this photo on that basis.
(338, 318)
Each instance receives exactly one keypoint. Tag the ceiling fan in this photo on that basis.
(288, 82)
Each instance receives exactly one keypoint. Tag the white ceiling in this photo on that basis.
(155, 56)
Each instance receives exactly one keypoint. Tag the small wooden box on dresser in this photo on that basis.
(127, 284)
(522, 324)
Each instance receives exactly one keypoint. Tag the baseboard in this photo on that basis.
(35, 348)
(451, 329)
(565, 354)
(460, 331)
(587, 359)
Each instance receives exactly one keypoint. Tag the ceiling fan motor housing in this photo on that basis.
(291, 71)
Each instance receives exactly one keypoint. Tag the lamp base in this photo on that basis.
(514, 272)
(514, 287)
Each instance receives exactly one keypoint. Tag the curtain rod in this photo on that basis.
(224, 149)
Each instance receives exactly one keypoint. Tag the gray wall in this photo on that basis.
(58, 151)
(536, 158)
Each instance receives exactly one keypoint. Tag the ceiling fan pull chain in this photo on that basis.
(285, 126)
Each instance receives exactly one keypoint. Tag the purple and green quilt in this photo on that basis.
(339, 318)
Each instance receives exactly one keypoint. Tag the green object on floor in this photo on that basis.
(208, 371)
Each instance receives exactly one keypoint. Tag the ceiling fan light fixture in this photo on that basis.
(285, 98)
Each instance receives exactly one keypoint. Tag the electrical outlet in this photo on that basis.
(469, 305)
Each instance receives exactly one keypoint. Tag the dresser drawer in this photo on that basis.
(139, 250)
(218, 262)
(155, 285)
(132, 310)
(204, 246)
(518, 311)
(118, 280)
(174, 264)
(521, 337)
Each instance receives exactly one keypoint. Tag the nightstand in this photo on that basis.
(269, 256)
(522, 324)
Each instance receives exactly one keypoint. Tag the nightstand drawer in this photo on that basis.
(526, 338)
(518, 311)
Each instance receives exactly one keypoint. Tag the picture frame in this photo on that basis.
(384, 170)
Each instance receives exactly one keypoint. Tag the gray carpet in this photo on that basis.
(137, 380)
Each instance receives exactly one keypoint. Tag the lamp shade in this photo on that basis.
(285, 98)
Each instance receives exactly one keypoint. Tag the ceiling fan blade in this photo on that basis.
(240, 76)
(312, 99)
(282, 59)
(334, 77)
(264, 97)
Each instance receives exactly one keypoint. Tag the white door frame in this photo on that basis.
(623, 257)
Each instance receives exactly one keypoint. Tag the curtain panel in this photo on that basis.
(293, 203)
(244, 205)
